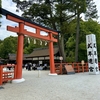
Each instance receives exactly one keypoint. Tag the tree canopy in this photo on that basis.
(9, 44)
(59, 15)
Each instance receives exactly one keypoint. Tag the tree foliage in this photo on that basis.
(90, 11)
(86, 27)
(57, 14)
(30, 44)
(9, 44)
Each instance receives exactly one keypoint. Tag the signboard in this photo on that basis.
(69, 69)
(92, 54)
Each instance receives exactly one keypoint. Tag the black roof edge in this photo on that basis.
(5, 12)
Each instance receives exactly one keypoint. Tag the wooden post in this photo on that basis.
(15, 71)
(61, 67)
(1, 71)
(82, 62)
(20, 52)
(51, 52)
(78, 67)
(52, 67)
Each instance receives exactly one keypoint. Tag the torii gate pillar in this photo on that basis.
(19, 58)
(21, 32)
(51, 52)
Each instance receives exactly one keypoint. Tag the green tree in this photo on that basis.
(55, 14)
(93, 27)
(29, 44)
(89, 9)
(9, 45)
(70, 41)
(0, 3)
(80, 7)
(86, 27)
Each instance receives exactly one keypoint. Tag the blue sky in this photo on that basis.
(10, 6)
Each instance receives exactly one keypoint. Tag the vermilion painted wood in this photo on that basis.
(29, 24)
(14, 19)
(21, 32)
(4, 76)
(76, 66)
(51, 51)
(0, 75)
(20, 52)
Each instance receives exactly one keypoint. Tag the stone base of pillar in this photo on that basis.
(53, 74)
(18, 80)
(97, 73)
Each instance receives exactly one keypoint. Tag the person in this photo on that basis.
(34, 66)
(26, 66)
(29, 66)
(45, 67)
(9, 66)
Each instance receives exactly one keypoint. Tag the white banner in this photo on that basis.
(92, 54)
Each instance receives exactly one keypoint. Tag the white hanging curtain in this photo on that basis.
(34, 41)
(45, 43)
(28, 40)
(40, 42)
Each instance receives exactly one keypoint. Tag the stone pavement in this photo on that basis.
(80, 86)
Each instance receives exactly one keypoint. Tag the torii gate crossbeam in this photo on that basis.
(21, 32)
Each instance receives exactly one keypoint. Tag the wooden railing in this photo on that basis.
(7, 73)
(78, 67)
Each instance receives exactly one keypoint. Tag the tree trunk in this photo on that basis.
(77, 38)
(61, 48)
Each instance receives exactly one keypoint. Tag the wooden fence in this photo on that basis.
(7, 73)
(78, 67)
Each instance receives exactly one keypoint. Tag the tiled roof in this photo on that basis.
(42, 52)
(13, 57)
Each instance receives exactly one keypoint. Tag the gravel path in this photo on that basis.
(81, 86)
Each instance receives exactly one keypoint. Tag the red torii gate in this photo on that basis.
(21, 32)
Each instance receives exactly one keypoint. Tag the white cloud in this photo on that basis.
(10, 6)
